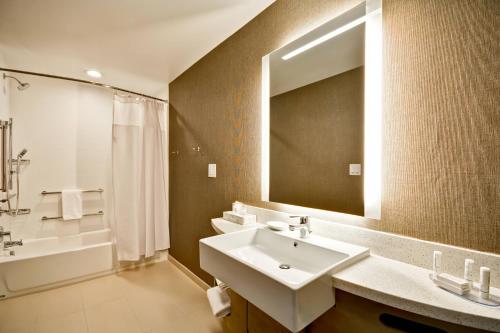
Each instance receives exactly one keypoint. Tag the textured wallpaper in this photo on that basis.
(441, 153)
(316, 132)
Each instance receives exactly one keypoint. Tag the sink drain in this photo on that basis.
(284, 266)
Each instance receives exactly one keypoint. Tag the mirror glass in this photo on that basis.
(316, 117)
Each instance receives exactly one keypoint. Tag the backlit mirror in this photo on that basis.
(321, 116)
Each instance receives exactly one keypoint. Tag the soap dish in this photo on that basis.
(277, 225)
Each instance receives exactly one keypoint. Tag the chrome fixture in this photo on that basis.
(7, 244)
(20, 85)
(7, 169)
(3, 233)
(45, 218)
(75, 80)
(18, 171)
(84, 191)
(10, 243)
(304, 223)
(22, 153)
(4, 179)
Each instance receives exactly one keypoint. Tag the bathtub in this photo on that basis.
(47, 262)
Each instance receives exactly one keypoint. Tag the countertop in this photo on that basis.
(402, 286)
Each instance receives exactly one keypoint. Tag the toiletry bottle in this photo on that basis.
(484, 282)
(468, 269)
(436, 263)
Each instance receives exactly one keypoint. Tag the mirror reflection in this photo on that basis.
(317, 117)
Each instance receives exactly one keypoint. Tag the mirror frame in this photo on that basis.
(372, 169)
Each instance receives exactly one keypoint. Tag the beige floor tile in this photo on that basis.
(60, 301)
(191, 324)
(23, 329)
(156, 314)
(18, 314)
(112, 317)
(101, 290)
(71, 323)
(206, 322)
(154, 299)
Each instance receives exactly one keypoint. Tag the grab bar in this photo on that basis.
(59, 192)
(45, 218)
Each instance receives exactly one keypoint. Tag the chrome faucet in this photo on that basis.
(5, 244)
(304, 223)
(3, 233)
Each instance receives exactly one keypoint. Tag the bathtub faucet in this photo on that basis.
(7, 244)
(3, 233)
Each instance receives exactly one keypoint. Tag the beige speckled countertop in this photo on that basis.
(409, 288)
(402, 286)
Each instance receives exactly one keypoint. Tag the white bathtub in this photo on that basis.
(47, 262)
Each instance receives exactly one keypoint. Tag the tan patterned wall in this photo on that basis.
(441, 160)
(316, 131)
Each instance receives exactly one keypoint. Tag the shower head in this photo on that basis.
(23, 86)
(20, 85)
(22, 153)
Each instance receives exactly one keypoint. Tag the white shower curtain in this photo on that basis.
(140, 176)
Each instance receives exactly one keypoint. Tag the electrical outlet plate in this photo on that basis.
(355, 169)
(212, 170)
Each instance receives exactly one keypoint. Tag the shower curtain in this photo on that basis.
(140, 177)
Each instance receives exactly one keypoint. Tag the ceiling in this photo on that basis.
(137, 45)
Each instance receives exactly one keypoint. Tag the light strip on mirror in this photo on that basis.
(330, 35)
(373, 116)
(265, 130)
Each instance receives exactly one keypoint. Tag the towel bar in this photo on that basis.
(45, 218)
(59, 192)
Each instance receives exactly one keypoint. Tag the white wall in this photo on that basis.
(66, 128)
(4, 93)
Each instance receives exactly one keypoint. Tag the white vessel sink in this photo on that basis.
(295, 295)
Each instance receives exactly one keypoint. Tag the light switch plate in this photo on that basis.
(354, 169)
(212, 170)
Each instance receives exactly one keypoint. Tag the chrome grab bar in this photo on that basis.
(100, 190)
(45, 218)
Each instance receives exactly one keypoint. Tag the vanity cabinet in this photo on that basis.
(237, 321)
(260, 322)
(350, 314)
(247, 318)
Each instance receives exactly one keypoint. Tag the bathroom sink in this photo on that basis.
(285, 276)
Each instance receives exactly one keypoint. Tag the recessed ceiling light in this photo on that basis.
(93, 73)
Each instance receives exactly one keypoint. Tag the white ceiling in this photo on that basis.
(137, 45)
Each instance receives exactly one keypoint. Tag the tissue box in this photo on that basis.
(239, 218)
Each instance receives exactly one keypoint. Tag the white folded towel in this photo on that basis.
(219, 301)
(71, 204)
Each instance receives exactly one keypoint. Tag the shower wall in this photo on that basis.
(4, 93)
(66, 128)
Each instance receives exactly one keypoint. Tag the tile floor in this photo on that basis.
(154, 299)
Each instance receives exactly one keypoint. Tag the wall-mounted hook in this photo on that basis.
(175, 152)
(197, 149)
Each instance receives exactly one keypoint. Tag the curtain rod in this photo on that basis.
(81, 81)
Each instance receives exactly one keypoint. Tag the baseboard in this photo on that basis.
(125, 265)
(202, 284)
